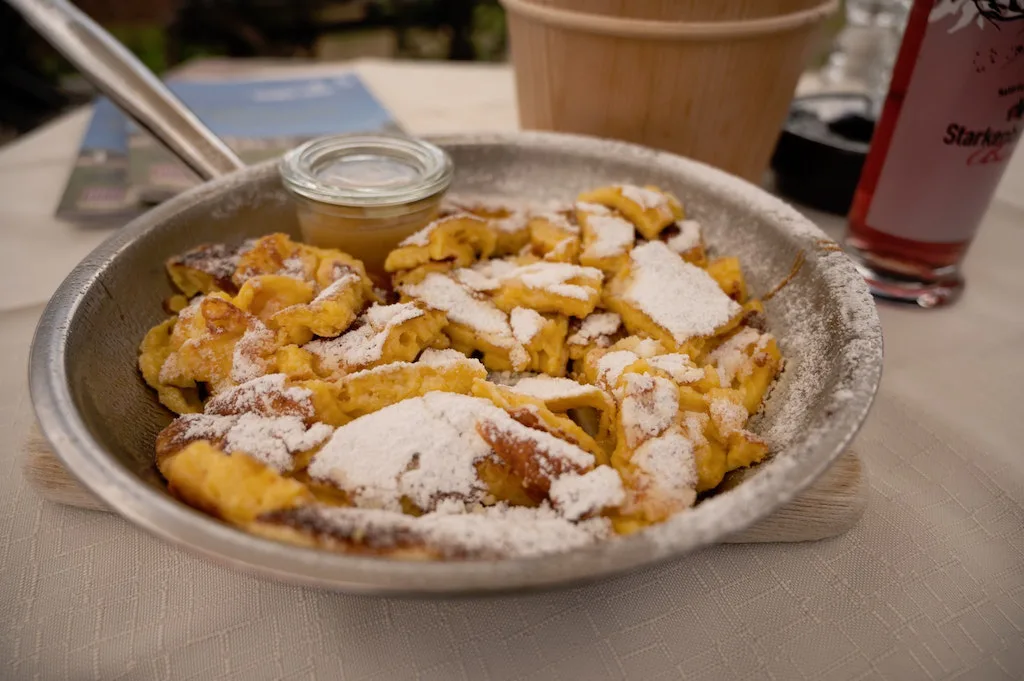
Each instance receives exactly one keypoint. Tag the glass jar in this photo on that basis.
(363, 194)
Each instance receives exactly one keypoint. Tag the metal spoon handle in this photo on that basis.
(133, 88)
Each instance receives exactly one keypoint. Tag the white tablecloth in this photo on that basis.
(930, 584)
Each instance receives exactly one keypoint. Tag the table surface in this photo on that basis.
(930, 584)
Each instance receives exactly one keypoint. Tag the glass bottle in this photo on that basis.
(951, 119)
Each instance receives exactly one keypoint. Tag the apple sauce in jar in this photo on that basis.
(363, 194)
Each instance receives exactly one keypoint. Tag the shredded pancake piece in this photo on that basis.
(682, 300)
(427, 449)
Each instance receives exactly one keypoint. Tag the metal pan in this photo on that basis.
(102, 420)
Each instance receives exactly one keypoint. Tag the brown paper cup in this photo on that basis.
(716, 91)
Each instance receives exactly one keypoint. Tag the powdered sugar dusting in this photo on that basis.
(476, 280)
(560, 221)
(513, 531)
(597, 327)
(679, 366)
(336, 286)
(422, 237)
(551, 455)
(271, 440)
(293, 267)
(515, 216)
(688, 238)
(426, 449)
(518, 356)
(648, 199)
(494, 268)
(554, 277)
(611, 365)
(649, 406)
(679, 297)
(265, 396)
(511, 223)
(445, 294)
(204, 426)
(485, 275)
(647, 348)
(694, 423)
(731, 357)
(429, 357)
(526, 324)
(442, 358)
(383, 316)
(552, 387)
(412, 449)
(248, 359)
(729, 417)
(576, 496)
(518, 210)
(364, 345)
(593, 208)
(492, 532)
(667, 468)
(614, 236)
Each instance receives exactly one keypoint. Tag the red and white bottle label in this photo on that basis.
(961, 118)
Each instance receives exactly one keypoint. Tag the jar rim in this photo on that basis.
(319, 170)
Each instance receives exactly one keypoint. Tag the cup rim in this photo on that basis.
(652, 29)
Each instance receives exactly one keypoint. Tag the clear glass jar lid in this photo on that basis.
(366, 170)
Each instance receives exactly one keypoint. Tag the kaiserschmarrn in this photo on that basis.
(533, 380)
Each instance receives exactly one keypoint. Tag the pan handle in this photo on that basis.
(133, 88)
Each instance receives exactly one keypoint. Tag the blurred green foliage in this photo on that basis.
(148, 43)
(489, 31)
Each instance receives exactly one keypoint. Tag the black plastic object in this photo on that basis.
(821, 151)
